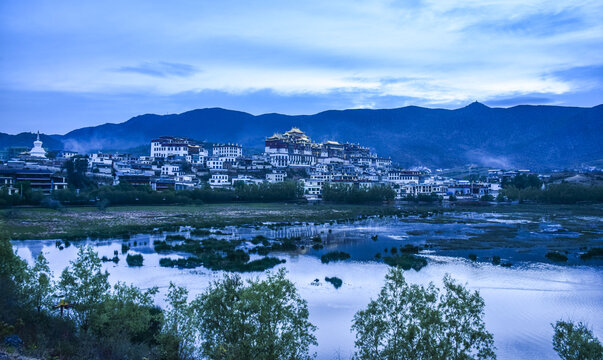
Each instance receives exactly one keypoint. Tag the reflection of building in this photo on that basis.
(37, 150)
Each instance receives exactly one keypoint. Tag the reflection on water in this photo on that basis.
(521, 302)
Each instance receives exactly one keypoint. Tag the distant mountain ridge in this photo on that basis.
(525, 136)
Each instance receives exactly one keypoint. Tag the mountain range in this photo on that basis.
(525, 136)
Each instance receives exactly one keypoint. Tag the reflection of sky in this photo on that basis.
(68, 64)
(521, 302)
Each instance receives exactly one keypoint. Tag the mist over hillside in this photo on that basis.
(534, 137)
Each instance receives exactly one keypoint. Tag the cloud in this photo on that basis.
(540, 24)
(160, 69)
(296, 57)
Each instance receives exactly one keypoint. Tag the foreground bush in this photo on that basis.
(257, 320)
(576, 342)
(416, 322)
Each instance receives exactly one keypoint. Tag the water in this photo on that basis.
(521, 301)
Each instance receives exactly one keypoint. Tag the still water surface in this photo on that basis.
(521, 301)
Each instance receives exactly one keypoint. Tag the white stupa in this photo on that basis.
(37, 150)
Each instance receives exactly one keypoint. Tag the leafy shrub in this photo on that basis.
(406, 261)
(335, 281)
(495, 260)
(596, 253)
(334, 256)
(134, 260)
(556, 256)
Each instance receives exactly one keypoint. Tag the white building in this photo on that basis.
(170, 170)
(313, 188)
(37, 150)
(275, 177)
(227, 152)
(403, 177)
(215, 163)
(168, 146)
(246, 179)
(219, 180)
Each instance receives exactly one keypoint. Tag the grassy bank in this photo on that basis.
(81, 222)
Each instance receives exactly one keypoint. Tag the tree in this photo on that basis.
(178, 334)
(575, 341)
(127, 324)
(13, 276)
(263, 320)
(76, 168)
(40, 286)
(84, 285)
(416, 322)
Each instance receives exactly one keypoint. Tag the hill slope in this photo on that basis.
(535, 137)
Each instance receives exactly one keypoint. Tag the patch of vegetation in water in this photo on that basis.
(334, 256)
(134, 260)
(406, 261)
(215, 254)
(594, 253)
(238, 263)
(495, 260)
(409, 249)
(284, 244)
(335, 281)
(115, 259)
(556, 256)
(416, 232)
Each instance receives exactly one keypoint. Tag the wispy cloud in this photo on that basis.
(160, 69)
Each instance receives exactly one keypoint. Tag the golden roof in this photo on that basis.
(294, 130)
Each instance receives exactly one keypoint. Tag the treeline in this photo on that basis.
(126, 194)
(236, 319)
(564, 193)
(344, 193)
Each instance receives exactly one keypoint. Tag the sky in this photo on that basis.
(70, 64)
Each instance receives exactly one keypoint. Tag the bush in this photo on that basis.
(334, 256)
(134, 260)
(556, 256)
(472, 257)
(253, 320)
(406, 261)
(352, 194)
(335, 281)
(409, 249)
(487, 197)
(415, 322)
(596, 253)
(576, 342)
(495, 260)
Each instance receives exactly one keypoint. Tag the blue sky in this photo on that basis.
(68, 64)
